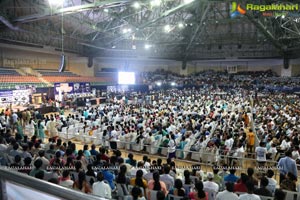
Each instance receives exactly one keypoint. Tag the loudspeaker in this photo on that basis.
(63, 63)
(90, 62)
(183, 65)
(286, 63)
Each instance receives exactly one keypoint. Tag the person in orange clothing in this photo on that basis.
(246, 119)
(250, 141)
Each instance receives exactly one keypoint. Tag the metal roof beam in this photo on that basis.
(266, 32)
(199, 27)
(70, 10)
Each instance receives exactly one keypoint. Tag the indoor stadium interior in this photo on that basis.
(149, 99)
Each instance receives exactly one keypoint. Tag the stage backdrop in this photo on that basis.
(19, 96)
(70, 88)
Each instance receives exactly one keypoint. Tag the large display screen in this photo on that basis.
(126, 78)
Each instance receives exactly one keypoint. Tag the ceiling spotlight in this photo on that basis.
(173, 83)
(188, 1)
(283, 16)
(148, 46)
(105, 10)
(180, 25)
(126, 30)
(158, 83)
(136, 5)
(155, 3)
(167, 28)
(56, 2)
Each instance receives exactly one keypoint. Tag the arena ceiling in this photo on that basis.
(164, 29)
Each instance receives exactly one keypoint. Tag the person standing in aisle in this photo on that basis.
(41, 131)
(172, 147)
(286, 165)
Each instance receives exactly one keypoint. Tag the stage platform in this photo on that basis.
(43, 109)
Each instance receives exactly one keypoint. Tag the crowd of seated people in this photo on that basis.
(253, 80)
(111, 175)
(223, 122)
(188, 117)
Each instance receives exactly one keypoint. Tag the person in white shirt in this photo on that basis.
(272, 182)
(113, 138)
(42, 157)
(250, 193)
(47, 146)
(172, 147)
(15, 117)
(100, 188)
(65, 180)
(228, 193)
(261, 154)
(3, 147)
(209, 185)
(140, 166)
(147, 164)
(285, 144)
(30, 127)
(295, 153)
(239, 152)
(229, 142)
(272, 151)
(52, 128)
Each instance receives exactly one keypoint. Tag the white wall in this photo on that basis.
(138, 64)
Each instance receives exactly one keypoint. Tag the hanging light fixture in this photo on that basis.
(63, 64)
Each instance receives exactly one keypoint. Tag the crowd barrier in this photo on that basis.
(15, 185)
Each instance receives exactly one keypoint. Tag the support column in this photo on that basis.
(286, 72)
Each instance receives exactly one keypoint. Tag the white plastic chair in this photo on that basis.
(173, 197)
(164, 151)
(74, 175)
(265, 198)
(130, 187)
(152, 194)
(63, 133)
(122, 192)
(89, 180)
(292, 195)
(139, 146)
